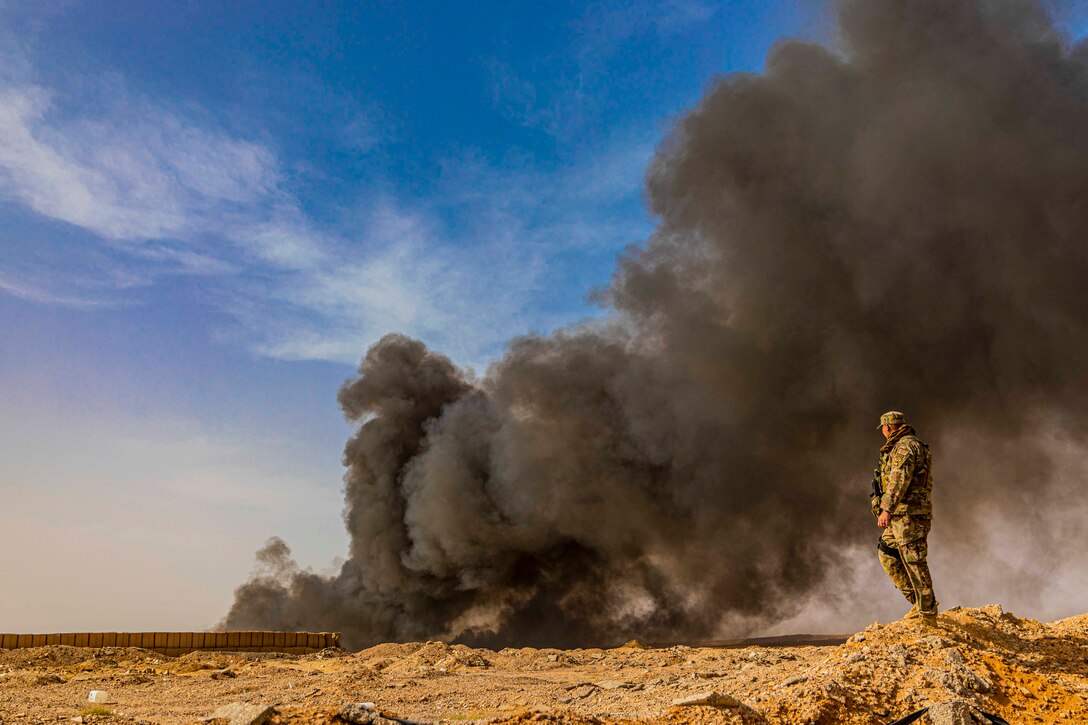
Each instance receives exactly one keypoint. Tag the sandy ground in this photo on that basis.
(1023, 670)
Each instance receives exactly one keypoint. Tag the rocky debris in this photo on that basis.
(457, 661)
(437, 657)
(579, 691)
(934, 641)
(363, 713)
(956, 676)
(324, 654)
(949, 713)
(711, 699)
(242, 713)
(898, 654)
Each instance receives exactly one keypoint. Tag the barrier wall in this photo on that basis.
(179, 643)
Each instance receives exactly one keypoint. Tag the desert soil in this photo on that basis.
(1020, 669)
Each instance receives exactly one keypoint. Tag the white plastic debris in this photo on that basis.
(99, 696)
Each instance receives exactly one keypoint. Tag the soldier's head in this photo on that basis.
(890, 422)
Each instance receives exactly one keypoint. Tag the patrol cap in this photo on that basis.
(892, 417)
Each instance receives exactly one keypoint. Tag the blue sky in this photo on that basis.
(208, 211)
(303, 181)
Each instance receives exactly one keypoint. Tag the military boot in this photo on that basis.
(929, 615)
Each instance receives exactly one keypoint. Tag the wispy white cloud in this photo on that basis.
(132, 173)
(468, 289)
(169, 192)
(466, 299)
(44, 292)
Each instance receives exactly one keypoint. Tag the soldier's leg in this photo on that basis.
(910, 534)
(892, 565)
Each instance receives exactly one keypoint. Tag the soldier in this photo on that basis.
(903, 506)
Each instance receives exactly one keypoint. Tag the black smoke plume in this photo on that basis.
(898, 222)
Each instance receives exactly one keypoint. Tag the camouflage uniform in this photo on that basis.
(907, 481)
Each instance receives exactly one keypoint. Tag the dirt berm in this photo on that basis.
(1020, 669)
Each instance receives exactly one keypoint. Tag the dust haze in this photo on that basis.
(899, 221)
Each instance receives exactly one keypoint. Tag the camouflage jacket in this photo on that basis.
(906, 475)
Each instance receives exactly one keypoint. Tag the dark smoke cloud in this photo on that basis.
(901, 223)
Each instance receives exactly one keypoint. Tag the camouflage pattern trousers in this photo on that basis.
(909, 571)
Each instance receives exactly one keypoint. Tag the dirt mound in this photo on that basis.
(985, 657)
(1023, 670)
(439, 657)
(53, 655)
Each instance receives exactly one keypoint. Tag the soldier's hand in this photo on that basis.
(884, 520)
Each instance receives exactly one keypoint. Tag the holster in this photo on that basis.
(889, 550)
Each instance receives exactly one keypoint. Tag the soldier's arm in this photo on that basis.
(902, 469)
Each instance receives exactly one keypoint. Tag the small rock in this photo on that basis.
(713, 699)
(577, 693)
(797, 680)
(224, 674)
(946, 680)
(612, 685)
(953, 656)
(934, 641)
(898, 654)
(243, 713)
